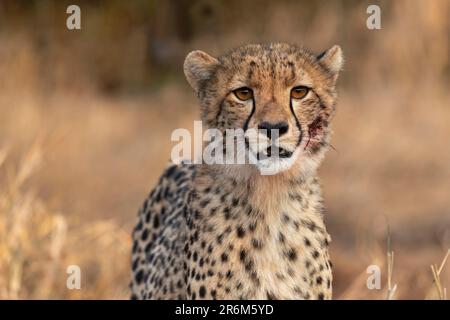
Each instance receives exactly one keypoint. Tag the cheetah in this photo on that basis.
(226, 231)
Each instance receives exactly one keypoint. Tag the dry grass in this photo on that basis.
(391, 288)
(37, 245)
(76, 161)
(438, 291)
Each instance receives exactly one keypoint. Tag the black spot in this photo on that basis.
(155, 222)
(315, 254)
(242, 255)
(319, 280)
(249, 265)
(135, 264)
(170, 171)
(204, 203)
(139, 276)
(135, 247)
(257, 244)
(227, 213)
(310, 225)
(207, 190)
(254, 277)
(224, 257)
(291, 254)
(240, 232)
(307, 264)
(321, 296)
(138, 226)
(213, 294)
(179, 175)
(307, 242)
(270, 296)
(158, 196)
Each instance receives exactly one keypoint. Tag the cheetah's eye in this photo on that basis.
(243, 93)
(299, 92)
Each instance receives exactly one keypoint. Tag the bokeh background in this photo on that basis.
(86, 117)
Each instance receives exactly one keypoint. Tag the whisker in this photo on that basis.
(332, 147)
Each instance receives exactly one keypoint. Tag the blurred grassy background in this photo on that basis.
(86, 117)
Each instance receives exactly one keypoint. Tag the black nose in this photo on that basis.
(282, 128)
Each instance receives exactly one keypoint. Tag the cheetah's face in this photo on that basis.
(283, 97)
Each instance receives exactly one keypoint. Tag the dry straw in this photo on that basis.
(38, 244)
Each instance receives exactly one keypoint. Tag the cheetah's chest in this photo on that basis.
(243, 253)
(293, 264)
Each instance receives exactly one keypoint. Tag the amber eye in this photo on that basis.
(244, 93)
(299, 92)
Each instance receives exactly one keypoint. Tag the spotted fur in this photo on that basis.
(226, 231)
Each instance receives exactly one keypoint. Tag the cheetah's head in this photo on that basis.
(282, 96)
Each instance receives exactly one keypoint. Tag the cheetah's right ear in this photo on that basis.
(198, 67)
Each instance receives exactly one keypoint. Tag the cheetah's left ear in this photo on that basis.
(332, 59)
(198, 68)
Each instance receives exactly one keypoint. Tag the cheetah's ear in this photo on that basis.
(332, 59)
(198, 67)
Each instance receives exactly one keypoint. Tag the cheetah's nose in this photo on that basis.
(282, 128)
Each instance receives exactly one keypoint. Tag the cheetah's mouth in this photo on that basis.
(269, 154)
